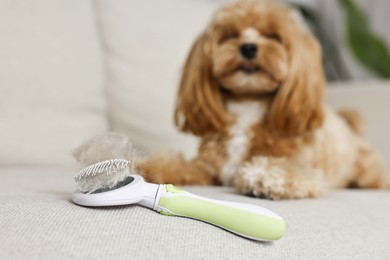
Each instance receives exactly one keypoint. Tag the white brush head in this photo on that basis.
(104, 175)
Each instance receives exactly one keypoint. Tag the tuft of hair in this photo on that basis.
(104, 175)
(104, 147)
(353, 119)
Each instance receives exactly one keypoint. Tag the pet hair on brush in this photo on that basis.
(104, 175)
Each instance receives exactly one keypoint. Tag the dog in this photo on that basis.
(252, 90)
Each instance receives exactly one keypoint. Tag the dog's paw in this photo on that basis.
(104, 147)
(259, 196)
(277, 178)
(261, 180)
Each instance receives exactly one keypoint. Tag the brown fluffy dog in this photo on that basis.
(252, 89)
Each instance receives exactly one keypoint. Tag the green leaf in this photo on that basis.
(367, 47)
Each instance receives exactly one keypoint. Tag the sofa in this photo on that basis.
(73, 69)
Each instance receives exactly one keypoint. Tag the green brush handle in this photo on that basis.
(243, 219)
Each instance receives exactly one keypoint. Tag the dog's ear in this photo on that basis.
(200, 106)
(297, 107)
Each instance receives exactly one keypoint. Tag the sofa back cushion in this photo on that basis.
(372, 100)
(51, 80)
(146, 45)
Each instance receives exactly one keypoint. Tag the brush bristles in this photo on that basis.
(103, 175)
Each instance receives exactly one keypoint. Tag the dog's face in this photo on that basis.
(247, 47)
(253, 47)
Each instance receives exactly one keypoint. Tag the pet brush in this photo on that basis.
(111, 183)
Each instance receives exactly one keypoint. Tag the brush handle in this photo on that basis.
(243, 219)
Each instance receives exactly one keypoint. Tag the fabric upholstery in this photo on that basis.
(51, 80)
(371, 99)
(37, 221)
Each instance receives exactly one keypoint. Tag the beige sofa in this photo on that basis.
(71, 69)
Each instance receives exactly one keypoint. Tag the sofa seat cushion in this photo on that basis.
(37, 220)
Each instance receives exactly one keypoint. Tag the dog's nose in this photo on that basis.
(248, 50)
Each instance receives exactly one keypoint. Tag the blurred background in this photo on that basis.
(72, 69)
(354, 35)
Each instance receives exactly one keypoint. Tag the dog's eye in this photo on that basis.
(229, 36)
(273, 36)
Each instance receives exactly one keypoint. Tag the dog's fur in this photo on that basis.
(262, 122)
